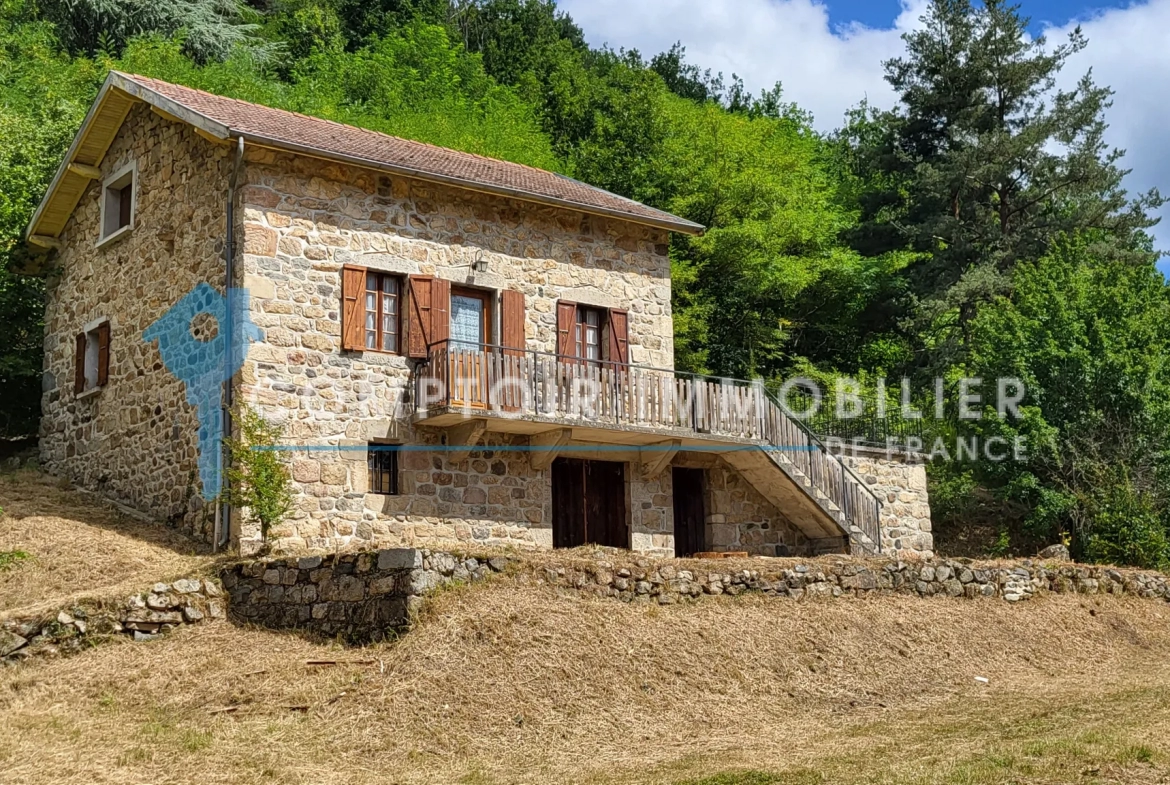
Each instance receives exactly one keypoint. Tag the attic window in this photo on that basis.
(118, 202)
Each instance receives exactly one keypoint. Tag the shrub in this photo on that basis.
(1126, 529)
(259, 480)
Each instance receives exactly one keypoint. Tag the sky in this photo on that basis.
(828, 56)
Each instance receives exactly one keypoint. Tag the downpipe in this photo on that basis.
(223, 511)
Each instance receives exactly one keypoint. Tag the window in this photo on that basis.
(592, 334)
(92, 358)
(382, 312)
(118, 202)
(588, 334)
(383, 464)
(470, 320)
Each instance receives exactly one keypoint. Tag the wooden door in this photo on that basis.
(589, 503)
(690, 518)
(568, 500)
(470, 334)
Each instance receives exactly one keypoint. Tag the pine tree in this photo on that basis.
(984, 163)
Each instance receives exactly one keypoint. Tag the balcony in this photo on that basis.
(554, 401)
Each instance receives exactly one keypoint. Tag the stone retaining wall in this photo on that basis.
(672, 582)
(360, 597)
(143, 616)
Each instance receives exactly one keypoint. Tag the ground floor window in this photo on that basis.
(383, 464)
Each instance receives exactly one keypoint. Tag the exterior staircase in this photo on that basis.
(531, 392)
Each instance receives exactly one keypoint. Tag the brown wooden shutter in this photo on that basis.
(353, 308)
(103, 365)
(79, 365)
(440, 310)
(512, 322)
(566, 326)
(619, 336)
(419, 329)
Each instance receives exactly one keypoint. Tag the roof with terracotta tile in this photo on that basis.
(227, 119)
(344, 142)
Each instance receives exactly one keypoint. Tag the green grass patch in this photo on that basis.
(10, 559)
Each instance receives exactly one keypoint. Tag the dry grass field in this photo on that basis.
(510, 683)
(78, 545)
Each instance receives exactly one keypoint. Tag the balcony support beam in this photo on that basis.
(464, 437)
(656, 457)
(546, 446)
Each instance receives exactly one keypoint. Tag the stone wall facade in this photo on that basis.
(899, 481)
(135, 439)
(304, 221)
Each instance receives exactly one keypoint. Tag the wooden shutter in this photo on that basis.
(419, 329)
(103, 363)
(619, 336)
(79, 365)
(353, 308)
(512, 322)
(440, 310)
(566, 326)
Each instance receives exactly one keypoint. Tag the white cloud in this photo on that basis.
(828, 70)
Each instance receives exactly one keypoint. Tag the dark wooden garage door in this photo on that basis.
(589, 503)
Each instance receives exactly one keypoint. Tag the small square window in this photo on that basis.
(383, 464)
(118, 202)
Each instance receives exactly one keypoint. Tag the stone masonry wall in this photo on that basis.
(135, 440)
(143, 616)
(304, 220)
(366, 596)
(359, 597)
(900, 485)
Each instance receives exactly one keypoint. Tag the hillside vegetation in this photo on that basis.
(978, 228)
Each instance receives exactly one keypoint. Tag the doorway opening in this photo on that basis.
(589, 503)
(690, 516)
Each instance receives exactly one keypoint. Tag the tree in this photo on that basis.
(984, 163)
(1089, 337)
(258, 477)
(209, 29)
(43, 96)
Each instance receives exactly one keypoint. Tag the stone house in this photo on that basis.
(457, 348)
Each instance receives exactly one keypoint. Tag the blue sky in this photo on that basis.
(882, 13)
(827, 54)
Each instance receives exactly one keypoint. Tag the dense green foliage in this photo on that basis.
(978, 228)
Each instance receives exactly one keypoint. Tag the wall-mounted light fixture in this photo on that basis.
(479, 264)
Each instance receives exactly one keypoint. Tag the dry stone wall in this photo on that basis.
(135, 440)
(359, 597)
(367, 596)
(666, 583)
(143, 616)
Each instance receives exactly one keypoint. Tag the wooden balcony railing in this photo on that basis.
(526, 384)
